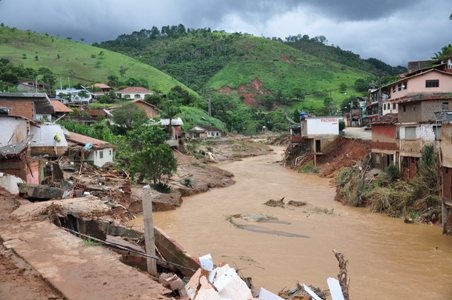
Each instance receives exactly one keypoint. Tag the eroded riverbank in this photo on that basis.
(388, 259)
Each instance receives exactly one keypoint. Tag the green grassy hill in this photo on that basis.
(82, 63)
(267, 66)
(260, 71)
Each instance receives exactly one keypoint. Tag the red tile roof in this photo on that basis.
(135, 90)
(387, 119)
(82, 140)
(60, 107)
(102, 86)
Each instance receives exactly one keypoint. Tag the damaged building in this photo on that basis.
(83, 148)
(28, 149)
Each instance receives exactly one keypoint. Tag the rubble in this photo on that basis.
(40, 192)
(296, 203)
(10, 183)
(275, 203)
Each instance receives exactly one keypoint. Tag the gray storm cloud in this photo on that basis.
(366, 27)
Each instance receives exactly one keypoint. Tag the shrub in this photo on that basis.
(162, 187)
(393, 172)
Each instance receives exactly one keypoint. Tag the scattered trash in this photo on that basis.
(216, 283)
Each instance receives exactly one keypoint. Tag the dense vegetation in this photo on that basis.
(73, 62)
(416, 200)
(317, 46)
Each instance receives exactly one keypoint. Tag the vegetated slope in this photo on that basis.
(253, 68)
(268, 67)
(316, 46)
(75, 61)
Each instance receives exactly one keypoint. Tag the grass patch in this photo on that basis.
(91, 243)
(308, 168)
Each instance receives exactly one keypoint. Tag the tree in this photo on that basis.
(329, 106)
(181, 96)
(361, 85)
(122, 70)
(446, 51)
(113, 80)
(149, 156)
(127, 117)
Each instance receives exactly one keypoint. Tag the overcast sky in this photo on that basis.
(395, 31)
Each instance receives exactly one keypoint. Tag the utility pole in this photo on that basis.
(149, 238)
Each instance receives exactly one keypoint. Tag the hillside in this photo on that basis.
(74, 62)
(252, 68)
(316, 46)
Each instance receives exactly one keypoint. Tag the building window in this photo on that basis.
(432, 83)
(384, 106)
(101, 154)
(394, 106)
(393, 88)
(405, 85)
(410, 133)
(445, 105)
(399, 87)
(109, 152)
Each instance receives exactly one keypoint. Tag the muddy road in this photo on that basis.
(387, 258)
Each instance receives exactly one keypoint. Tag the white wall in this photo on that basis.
(320, 126)
(107, 156)
(12, 131)
(44, 136)
(424, 132)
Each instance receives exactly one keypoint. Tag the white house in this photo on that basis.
(85, 148)
(200, 132)
(71, 95)
(134, 92)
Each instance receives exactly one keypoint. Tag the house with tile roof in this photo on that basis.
(134, 92)
(33, 106)
(59, 108)
(84, 148)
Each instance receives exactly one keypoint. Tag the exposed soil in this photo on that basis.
(247, 92)
(344, 152)
(18, 280)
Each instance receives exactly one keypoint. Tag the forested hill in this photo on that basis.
(195, 55)
(317, 46)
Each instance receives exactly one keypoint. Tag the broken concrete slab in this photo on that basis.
(77, 270)
(79, 207)
(160, 201)
(40, 192)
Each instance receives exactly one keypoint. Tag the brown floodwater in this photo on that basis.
(387, 258)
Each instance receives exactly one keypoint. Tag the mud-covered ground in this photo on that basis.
(18, 280)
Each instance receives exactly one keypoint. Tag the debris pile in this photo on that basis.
(221, 283)
(280, 203)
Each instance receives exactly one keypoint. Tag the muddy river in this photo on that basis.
(387, 258)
